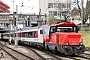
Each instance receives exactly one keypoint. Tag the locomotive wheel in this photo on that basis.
(9, 42)
(56, 51)
(35, 45)
(40, 47)
(65, 53)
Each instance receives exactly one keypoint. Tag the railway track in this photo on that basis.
(59, 56)
(48, 55)
(31, 53)
(5, 56)
(15, 54)
(42, 54)
(84, 56)
(51, 56)
(37, 53)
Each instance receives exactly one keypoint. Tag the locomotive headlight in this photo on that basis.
(66, 43)
(81, 40)
(81, 43)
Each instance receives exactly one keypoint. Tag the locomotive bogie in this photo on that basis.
(73, 50)
(66, 49)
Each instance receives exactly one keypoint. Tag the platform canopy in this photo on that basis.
(3, 30)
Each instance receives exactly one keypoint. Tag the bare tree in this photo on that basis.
(87, 10)
(77, 2)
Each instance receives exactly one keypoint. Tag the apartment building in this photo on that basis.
(55, 7)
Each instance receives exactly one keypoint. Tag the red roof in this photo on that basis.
(65, 24)
(4, 7)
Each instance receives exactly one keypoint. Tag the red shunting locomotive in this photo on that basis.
(64, 37)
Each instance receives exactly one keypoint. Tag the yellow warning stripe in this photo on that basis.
(63, 39)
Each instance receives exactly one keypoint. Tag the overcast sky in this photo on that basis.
(30, 6)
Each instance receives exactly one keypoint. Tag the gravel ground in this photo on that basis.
(26, 51)
(5, 56)
(21, 49)
(88, 52)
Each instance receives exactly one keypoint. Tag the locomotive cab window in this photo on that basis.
(52, 29)
(66, 29)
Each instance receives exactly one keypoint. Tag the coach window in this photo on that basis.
(11, 35)
(33, 34)
(22, 34)
(6, 35)
(30, 34)
(46, 32)
(41, 32)
(26, 34)
(15, 34)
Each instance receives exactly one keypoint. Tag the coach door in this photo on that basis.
(40, 36)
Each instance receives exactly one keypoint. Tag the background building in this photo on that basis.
(54, 7)
(55, 10)
(4, 8)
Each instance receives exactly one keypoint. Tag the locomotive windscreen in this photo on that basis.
(66, 29)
